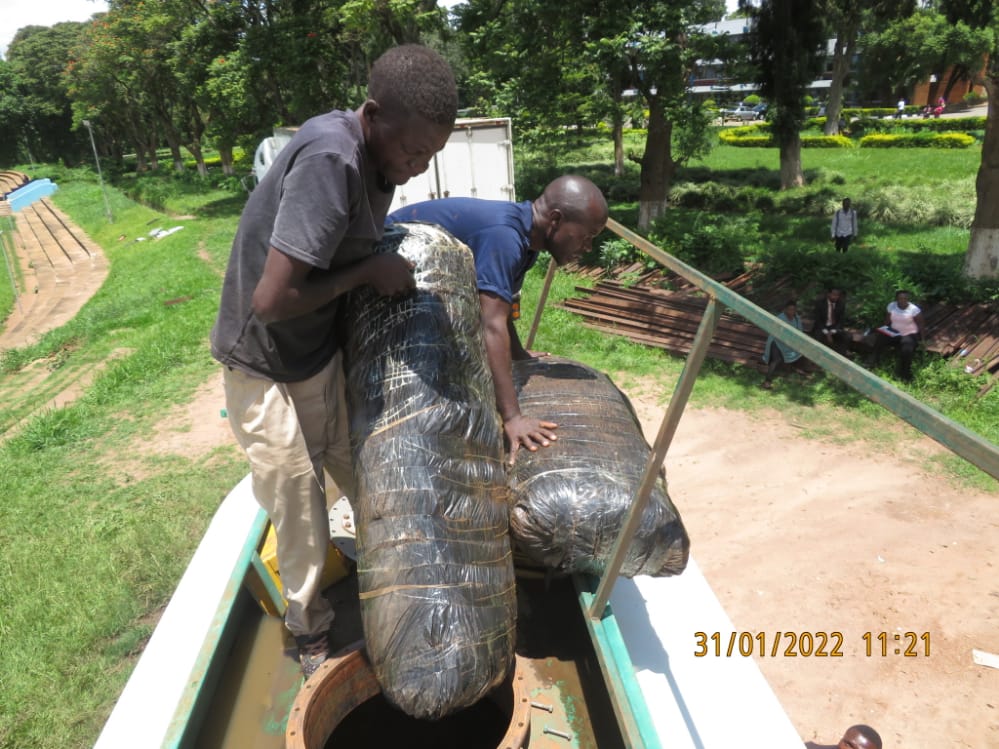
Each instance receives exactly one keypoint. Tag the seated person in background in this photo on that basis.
(505, 239)
(905, 326)
(827, 316)
(856, 737)
(776, 353)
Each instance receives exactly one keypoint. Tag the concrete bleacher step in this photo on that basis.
(61, 268)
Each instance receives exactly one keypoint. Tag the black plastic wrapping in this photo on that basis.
(571, 499)
(435, 569)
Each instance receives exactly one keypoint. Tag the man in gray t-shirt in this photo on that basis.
(305, 238)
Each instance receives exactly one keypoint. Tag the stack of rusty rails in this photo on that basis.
(668, 318)
(659, 308)
(953, 329)
(968, 335)
(665, 319)
(597, 272)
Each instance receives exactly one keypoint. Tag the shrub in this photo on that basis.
(852, 112)
(918, 140)
(731, 138)
(869, 125)
(824, 174)
(959, 124)
(758, 199)
(714, 244)
(615, 252)
(708, 195)
(762, 141)
(947, 204)
(826, 141)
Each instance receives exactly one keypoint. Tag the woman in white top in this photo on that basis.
(904, 329)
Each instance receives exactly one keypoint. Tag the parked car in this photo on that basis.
(745, 112)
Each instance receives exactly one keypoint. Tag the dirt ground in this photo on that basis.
(803, 536)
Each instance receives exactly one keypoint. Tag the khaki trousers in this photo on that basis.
(291, 432)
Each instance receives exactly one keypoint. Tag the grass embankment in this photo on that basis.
(97, 531)
(10, 275)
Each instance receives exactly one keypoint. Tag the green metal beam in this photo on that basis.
(627, 699)
(681, 394)
(194, 702)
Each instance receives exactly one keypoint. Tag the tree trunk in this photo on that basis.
(178, 158)
(154, 158)
(791, 174)
(982, 257)
(199, 157)
(140, 160)
(618, 125)
(225, 154)
(842, 56)
(618, 143)
(657, 167)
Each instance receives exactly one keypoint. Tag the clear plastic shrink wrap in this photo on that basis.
(571, 500)
(434, 564)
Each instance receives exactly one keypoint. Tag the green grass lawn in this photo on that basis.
(96, 533)
(858, 166)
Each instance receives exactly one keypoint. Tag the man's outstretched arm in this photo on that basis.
(520, 430)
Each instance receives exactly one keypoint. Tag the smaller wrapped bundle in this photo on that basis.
(571, 500)
(434, 564)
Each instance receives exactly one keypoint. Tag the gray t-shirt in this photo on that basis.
(321, 202)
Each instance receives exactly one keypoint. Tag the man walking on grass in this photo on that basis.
(844, 226)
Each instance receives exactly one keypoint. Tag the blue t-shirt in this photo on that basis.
(498, 233)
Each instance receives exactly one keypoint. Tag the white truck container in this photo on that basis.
(476, 162)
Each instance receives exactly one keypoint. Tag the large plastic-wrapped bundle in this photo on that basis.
(434, 563)
(571, 500)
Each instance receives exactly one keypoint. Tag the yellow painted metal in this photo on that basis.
(337, 568)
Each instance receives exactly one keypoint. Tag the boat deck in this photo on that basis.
(218, 672)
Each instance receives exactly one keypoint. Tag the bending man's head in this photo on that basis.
(567, 217)
(860, 737)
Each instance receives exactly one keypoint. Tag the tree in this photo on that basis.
(38, 55)
(917, 47)
(660, 44)
(982, 257)
(543, 61)
(787, 47)
(847, 18)
(13, 116)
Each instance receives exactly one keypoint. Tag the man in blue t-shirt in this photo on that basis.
(505, 239)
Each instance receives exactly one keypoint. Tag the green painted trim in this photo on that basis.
(190, 711)
(270, 587)
(625, 694)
